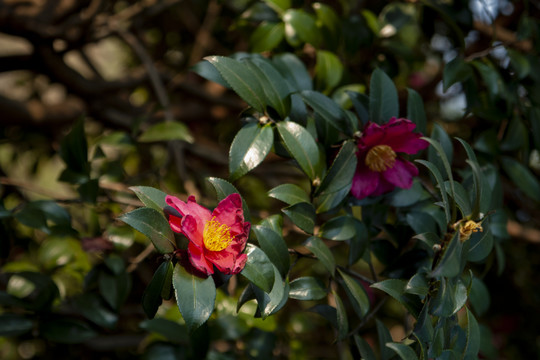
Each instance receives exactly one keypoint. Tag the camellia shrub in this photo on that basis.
(373, 242)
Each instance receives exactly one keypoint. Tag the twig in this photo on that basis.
(139, 258)
(369, 316)
(205, 32)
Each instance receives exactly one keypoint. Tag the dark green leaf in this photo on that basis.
(258, 269)
(92, 307)
(267, 36)
(384, 338)
(342, 318)
(461, 197)
(519, 63)
(341, 171)
(150, 197)
(289, 193)
(417, 285)
(415, 111)
(151, 299)
(274, 222)
(479, 296)
(294, 71)
(302, 215)
(326, 311)
(328, 71)
(74, 150)
(522, 177)
(338, 228)
(330, 200)
(300, 27)
(270, 303)
(517, 136)
(328, 110)
(166, 131)
(405, 352)
(14, 324)
(358, 244)
(242, 80)
(88, 190)
(153, 224)
(307, 288)
(195, 297)
(407, 197)
(322, 252)
(473, 337)
(358, 296)
(32, 217)
(441, 150)
(208, 71)
(383, 98)
(363, 348)
(396, 289)
(534, 117)
(455, 71)
(115, 288)
(481, 244)
(440, 182)
(171, 330)
(302, 147)
(273, 244)
(249, 148)
(450, 263)
(428, 239)
(66, 331)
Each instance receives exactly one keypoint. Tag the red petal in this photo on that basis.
(364, 182)
(240, 264)
(224, 260)
(401, 174)
(190, 208)
(193, 230)
(198, 260)
(400, 137)
(175, 223)
(229, 212)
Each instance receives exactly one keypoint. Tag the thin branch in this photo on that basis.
(369, 316)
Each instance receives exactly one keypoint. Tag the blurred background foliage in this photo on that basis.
(97, 96)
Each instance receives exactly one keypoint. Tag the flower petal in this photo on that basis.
(383, 187)
(364, 182)
(400, 137)
(175, 223)
(373, 135)
(193, 230)
(229, 212)
(401, 174)
(190, 208)
(224, 260)
(239, 264)
(198, 259)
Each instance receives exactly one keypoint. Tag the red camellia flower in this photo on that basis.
(215, 238)
(380, 169)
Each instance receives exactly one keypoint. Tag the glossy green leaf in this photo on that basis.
(428, 240)
(522, 177)
(328, 71)
(307, 288)
(342, 318)
(267, 36)
(274, 222)
(396, 289)
(300, 27)
(301, 146)
(275, 88)
(407, 197)
(32, 217)
(241, 79)
(415, 111)
(450, 262)
(208, 71)
(364, 348)
(289, 193)
(358, 244)
(150, 197)
(249, 148)
(153, 224)
(440, 182)
(258, 269)
(166, 131)
(472, 336)
(302, 215)
(329, 19)
(461, 197)
(195, 297)
(441, 151)
(457, 70)
(153, 294)
(418, 285)
(294, 71)
(404, 352)
(383, 98)
(322, 252)
(342, 170)
(328, 110)
(479, 296)
(223, 189)
(330, 200)
(115, 288)
(270, 303)
(338, 228)
(279, 5)
(358, 296)
(384, 338)
(273, 244)
(92, 307)
(481, 244)
(66, 331)
(15, 324)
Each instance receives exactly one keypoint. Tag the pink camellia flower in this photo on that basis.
(215, 238)
(380, 169)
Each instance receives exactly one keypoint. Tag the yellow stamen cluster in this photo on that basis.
(216, 236)
(466, 230)
(380, 158)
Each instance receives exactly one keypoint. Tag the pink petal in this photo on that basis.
(198, 260)
(364, 182)
(229, 212)
(383, 188)
(240, 264)
(175, 223)
(401, 174)
(400, 137)
(193, 230)
(373, 135)
(190, 208)
(224, 260)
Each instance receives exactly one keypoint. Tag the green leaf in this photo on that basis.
(450, 263)
(481, 246)
(461, 197)
(273, 244)
(417, 285)
(307, 288)
(479, 296)
(342, 318)
(451, 296)
(341, 171)
(208, 71)
(440, 182)
(274, 222)
(92, 307)
(407, 197)
(249, 148)
(150, 197)
(404, 351)
(279, 6)
(358, 296)
(328, 110)
(473, 337)
(396, 289)
(294, 71)
(300, 27)
(270, 303)
(153, 224)
(32, 217)
(330, 200)
(289, 193)
(302, 215)
(383, 98)
(328, 71)
(223, 189)
(74, 150)
(14, 324)
(267, 36)
(301, 146)
(66, 331)
(171, 330)
(115, 288)
(152, 296)
(363, 348)
(275, 88)
(455, 71)
(522, 177)
(415, 110)
(242, 80)
(166, 131)
(519, 63)
(517, 136)
(258, 269)
(195, 297)
(322, 252)
(338, 228)
(384, 338)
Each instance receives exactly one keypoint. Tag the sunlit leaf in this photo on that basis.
(249, 148)
(322, 252)
(166, 131)
(150, 197)
(273, 244)
(307, 288)
(289, 193)
(259, 269)
(302, 215)
(153, 224)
